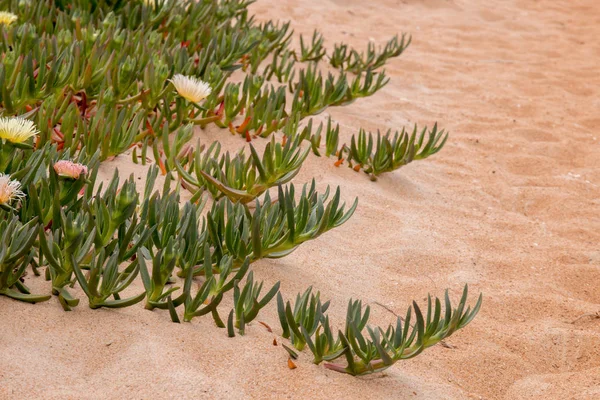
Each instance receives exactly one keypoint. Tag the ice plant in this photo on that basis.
(16, 129)
(10, 190)
(210, 294)
(91, 105)
(390, 152)
(379, 348)
(247, 303)
(71, 243)
(244, 178)
(315, 51)
(16, 241)
(307, 313)
(163, 265)
(69, 169)
(7, 18)
(190, 88)
(105, 280)
(275, 228)
(50, 193)
(114, 213)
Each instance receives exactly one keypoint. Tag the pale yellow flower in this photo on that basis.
(9, 190)
(191, 88)
(7, 18)
(69, 169)
(17, 129)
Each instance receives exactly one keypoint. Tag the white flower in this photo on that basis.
(191, 88)
(17, 129)
(9, 190)
(7, 18)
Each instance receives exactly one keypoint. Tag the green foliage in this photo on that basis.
(15, 255)
(282, 66)
(67, 246)
(388, 153)
(313, 51)
(322, 343)
(246, 302)
(116, 223)
(381, 349)
(339, 56)
(276, 228)
(210, 294)
(303, 320)
(84, 81)
(105, 280)
(313, 93)
(351, 60)
(331, 136)
(377, 349)
(163, 265)
(243, 179)
(191, 169)
(94, 96)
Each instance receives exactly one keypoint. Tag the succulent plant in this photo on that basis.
(265, 115)
(379, 349)
(282, 66)
(60, 189)
(331, 136)
(163, 265)
(313, 52)
(15, 255)
(388, 153)
(366, 87)
(244, 179)
(275, 36)
(351, 60)
(191, 167)
(105, 280)
(313, 93)
(84, 81)
(210, 293)
(304, 319)
(112, 130)
(246, 301)
(340, 55)
(108, 101)
(287, 223)
(228, 226)
(275, 228)
(116, 222)
(306, 323)
(62, 249)
(323, 344)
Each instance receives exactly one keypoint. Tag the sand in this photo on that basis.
(510, 207)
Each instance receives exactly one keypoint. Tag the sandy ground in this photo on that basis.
(510, 207)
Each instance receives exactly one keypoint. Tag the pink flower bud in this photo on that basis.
(69, 169)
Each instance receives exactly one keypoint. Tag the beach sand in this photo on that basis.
(510, 206)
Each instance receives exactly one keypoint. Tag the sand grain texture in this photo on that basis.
(510, 206)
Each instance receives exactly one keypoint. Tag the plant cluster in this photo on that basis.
(116, 225)
(349, 59)
(372, 154)
(83, 81)
(306, 323)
